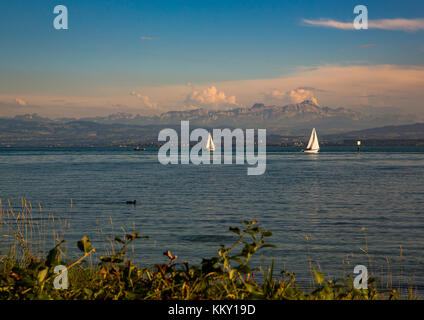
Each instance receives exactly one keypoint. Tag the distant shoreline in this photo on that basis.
(292, 143)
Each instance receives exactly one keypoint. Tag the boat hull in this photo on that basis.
(310, 151)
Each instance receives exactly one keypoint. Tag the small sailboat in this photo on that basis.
(313, 145)
(210, 146)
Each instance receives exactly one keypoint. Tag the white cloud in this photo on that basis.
(294, 96)
(275, 94)
(21, 102)
(209, 97)
(300, 95)
(145, 99)
(382, 24)
(330, 24)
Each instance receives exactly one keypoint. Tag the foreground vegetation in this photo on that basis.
(229, 275)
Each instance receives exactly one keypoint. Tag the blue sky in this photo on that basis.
(122, 46)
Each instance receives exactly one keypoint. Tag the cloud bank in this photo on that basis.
(398, 24)
(399, 86)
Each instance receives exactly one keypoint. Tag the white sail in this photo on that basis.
(313, 144)
(209, 144)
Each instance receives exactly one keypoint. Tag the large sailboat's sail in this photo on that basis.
(313, 144)
(209, 144)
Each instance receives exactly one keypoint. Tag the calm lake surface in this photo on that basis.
(329, 197)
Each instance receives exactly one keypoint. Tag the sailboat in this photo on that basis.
(313, 145)
(210, 146)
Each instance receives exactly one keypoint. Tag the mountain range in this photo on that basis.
(291, 120)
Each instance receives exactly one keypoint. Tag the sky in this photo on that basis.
(149, 57)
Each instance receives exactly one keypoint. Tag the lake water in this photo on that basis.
(329, 197)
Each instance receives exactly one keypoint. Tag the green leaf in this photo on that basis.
(53, 255)
(42, 275)
(235, 230)
(237, 259)
(254, 290)
(243, 269)
(319, 277)
(268, 245)
(88, 293)
(267, 233)
(84, 244)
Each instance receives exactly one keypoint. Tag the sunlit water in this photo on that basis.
(327, 198)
